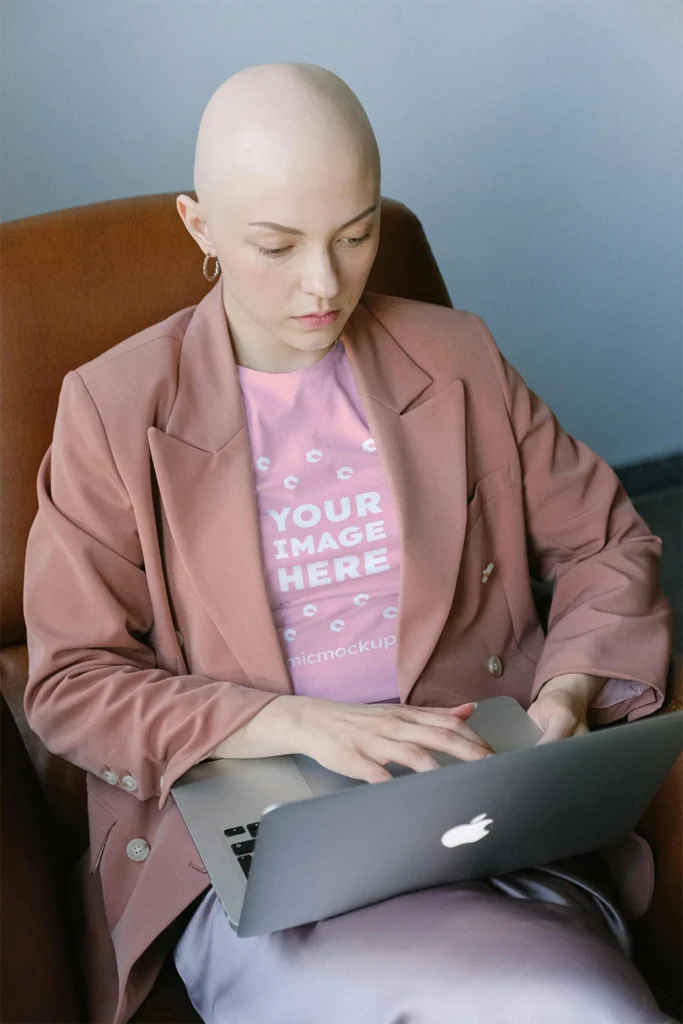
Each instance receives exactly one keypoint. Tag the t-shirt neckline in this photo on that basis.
(305, 371)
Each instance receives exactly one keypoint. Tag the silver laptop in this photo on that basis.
(285, 841)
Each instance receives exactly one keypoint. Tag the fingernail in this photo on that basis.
(475, 703)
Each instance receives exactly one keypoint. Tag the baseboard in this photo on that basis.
(651, 475)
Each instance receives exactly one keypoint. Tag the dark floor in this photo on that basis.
(663, 513)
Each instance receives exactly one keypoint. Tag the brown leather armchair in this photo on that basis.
(75, 283)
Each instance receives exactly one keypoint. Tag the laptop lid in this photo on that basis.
(334, 853)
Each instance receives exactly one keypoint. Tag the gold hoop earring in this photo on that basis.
(217, 269)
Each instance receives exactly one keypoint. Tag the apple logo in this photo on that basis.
(469, 833)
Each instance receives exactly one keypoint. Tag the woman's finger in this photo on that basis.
(561, 722)
(455, 743)
(459, 711)
(460, 727)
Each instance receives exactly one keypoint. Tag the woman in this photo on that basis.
(233, 502)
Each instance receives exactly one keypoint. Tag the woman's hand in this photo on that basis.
(562, 705)
(358, 739)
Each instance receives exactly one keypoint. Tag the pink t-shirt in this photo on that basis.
(329, 532)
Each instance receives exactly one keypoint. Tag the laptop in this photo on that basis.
(286, 841)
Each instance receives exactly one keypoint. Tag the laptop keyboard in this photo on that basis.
(245, 848)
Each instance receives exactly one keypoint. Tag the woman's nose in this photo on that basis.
(322, 277)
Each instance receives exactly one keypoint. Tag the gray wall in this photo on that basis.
(540, 143)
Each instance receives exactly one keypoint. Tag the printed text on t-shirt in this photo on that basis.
(317, 573)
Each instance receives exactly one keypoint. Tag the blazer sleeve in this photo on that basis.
(94, 694)
(609, 616)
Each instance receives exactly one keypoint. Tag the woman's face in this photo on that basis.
(319, 259)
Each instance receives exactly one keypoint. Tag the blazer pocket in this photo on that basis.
(100, 822)
(485, 489)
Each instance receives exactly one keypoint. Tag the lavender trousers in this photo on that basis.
(539, 946)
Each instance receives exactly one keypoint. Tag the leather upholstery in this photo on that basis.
(127, 264)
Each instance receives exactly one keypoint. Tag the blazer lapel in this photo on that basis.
(203, 465)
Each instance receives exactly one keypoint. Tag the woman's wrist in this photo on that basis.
(272, 731)
(581, 684)
(268, 734)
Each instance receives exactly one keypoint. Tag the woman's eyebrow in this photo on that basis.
(295, 231)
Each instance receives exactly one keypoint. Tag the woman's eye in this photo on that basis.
(272, 252)
(357, 241)
(275, 253)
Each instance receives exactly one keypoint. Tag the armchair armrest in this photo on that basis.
(658, 934)
(38, 979)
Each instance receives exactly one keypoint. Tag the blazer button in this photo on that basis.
(137, 849)
(487, 572)
(129, 782)
(180, 638)
(111, 777)
(495, 666)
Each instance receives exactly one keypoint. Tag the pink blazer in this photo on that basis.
(149, 628)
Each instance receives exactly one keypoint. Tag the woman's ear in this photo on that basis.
(190, 213)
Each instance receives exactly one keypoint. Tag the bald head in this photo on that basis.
(281, 126)
(287, 175)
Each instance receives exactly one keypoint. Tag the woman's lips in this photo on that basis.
(317, 321)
